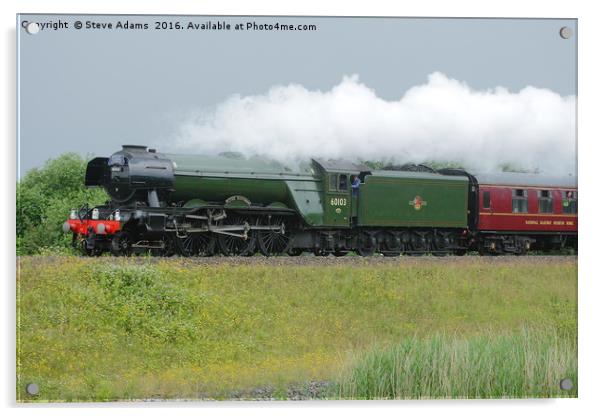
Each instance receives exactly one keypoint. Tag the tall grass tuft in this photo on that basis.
(530, 363)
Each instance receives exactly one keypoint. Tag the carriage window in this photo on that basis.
(569, 202)
(486, 199)
(342, 182)
(519, 200)
(545, 201)
(333, 182)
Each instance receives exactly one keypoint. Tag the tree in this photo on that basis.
(44, 198)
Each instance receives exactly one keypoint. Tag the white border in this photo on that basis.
(590, 114)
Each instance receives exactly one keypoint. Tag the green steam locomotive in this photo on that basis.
(195, 205)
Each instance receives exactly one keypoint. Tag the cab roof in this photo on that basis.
(341, 165)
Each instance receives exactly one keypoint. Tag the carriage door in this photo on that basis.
(337, 204)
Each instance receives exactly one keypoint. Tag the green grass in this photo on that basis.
(530, 363)
(120, 329)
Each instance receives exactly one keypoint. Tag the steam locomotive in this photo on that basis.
(195, 205)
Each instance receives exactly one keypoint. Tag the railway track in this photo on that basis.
(318, 261)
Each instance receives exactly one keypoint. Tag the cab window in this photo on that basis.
(333, 182)
(342, 182)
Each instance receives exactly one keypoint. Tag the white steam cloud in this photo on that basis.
(443, 120)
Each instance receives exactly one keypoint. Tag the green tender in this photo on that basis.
(413, 199)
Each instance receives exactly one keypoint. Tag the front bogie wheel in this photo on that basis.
(90, 252)
(121, 244)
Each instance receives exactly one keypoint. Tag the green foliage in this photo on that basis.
(529, 363)
(124, 328)
(44, 198)
(142, 302)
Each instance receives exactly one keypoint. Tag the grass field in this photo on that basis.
(121, 329)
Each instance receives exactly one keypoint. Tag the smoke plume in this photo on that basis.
(443, 120)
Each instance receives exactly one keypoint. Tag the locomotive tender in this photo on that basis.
(196, 205)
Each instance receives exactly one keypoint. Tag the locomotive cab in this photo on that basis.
(339, 203)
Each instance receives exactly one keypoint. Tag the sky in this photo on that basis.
(399, 87)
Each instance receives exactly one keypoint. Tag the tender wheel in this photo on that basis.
(272, 242)
(231, 245)
(294, 252)
(197, 244)
(366, 244)
(392, 244)
(419, 244)
(320, 252)
(440, 244)
(121, 245)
